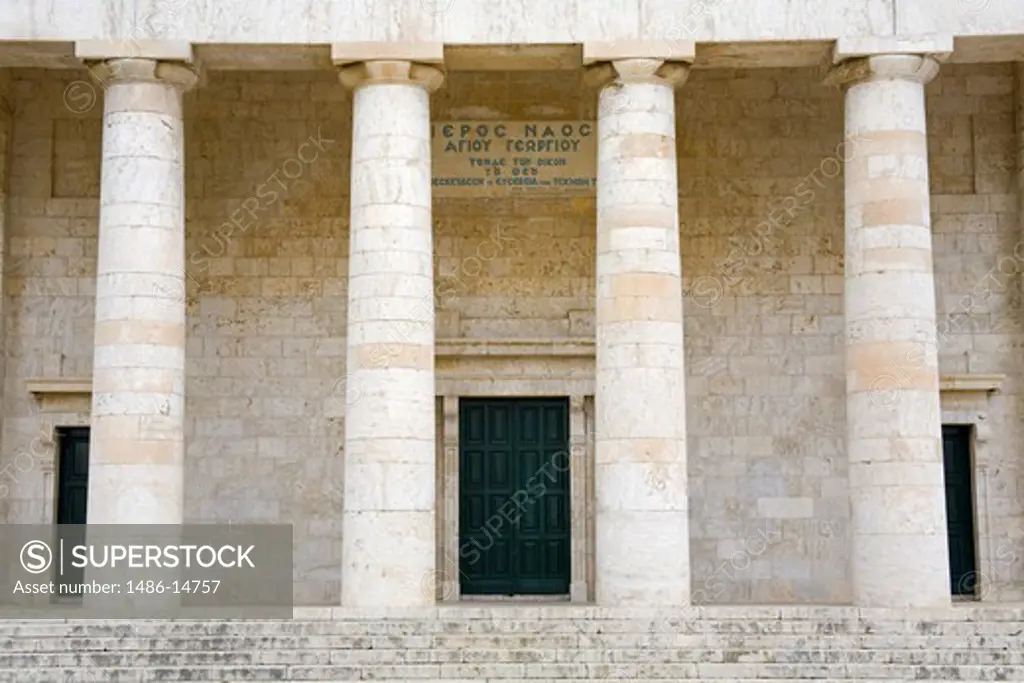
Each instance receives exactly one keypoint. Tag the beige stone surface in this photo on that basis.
(99, 50)
(1018, 78)
(761, 225)
(137, 444)
(894, 439)
(538, 642)
(536, 21)
(641, 512)
(388, 526)
(6, 148)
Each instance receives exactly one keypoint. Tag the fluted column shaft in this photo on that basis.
(642, 529)
(388, 546)
(894, 436)
(136, 456)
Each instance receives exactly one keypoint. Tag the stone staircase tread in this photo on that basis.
(949, 617)
(610, 653)
(628, 655)
(139, 679)
(706, 613)
(332, 628)
(509, 645)
(269, 674)
(120, 646)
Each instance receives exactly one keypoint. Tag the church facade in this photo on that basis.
(614, 303)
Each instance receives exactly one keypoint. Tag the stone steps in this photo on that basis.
(652, 673)
(225, 676)
(819, 650)
(532, 644)
(536, 648)
(739, 652)
(566, 628)
(322, 674)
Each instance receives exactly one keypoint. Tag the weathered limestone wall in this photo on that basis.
(764, 316)
(49, 281)
(979, 258)
(763, 312)
(266, 296)
(516, 268)
(6, 119)
(267, 185)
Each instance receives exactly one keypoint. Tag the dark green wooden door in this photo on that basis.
(514, 531)
(73, 475)
(72, 500)
(956, 456)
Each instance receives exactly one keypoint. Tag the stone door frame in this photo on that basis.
(580, 486)
(966, 400)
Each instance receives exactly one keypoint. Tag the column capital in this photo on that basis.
(181, 75)
(921, 68)
(391, 71)
(637, 70)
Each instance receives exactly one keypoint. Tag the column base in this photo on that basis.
(901, 571)
(388, 559)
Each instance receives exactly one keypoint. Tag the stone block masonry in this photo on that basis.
(765, 387)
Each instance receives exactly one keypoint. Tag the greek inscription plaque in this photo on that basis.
(493, 158)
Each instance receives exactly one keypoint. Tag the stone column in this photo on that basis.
(894, 436)
(642, 529)
(136, 455)
(388, 534)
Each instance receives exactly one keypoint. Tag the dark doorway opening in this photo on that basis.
(514, 509)
(72, 503)
(958, 469)
(72, 474)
